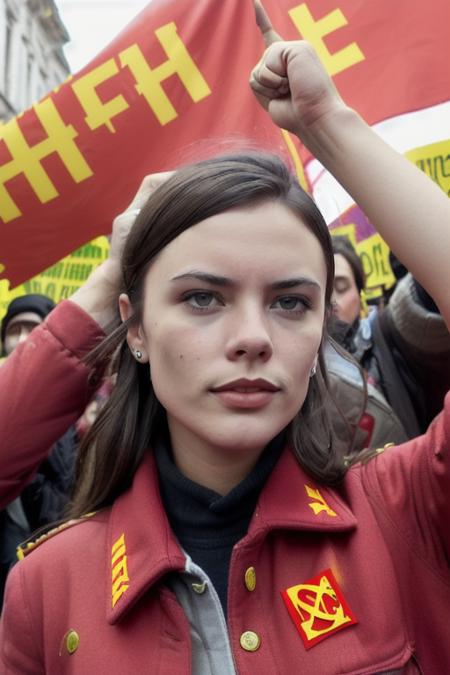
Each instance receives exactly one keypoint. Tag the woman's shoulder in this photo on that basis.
(404, 480)
(61, 577)
(66, 538)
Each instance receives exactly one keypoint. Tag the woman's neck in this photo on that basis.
(216, 468)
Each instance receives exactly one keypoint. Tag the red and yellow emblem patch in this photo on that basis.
(318, 608)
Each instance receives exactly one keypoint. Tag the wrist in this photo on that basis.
(322, 133)
(99, 295)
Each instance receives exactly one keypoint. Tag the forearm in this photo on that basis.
(409, 211)
(45, 387)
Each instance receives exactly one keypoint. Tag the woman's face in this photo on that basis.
(346, 298)
(232, 323)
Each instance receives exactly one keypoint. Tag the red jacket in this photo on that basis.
(348, 581)
(32, 385)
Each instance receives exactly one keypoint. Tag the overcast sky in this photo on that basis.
(92, 24)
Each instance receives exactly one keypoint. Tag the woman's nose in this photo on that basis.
(249, 338)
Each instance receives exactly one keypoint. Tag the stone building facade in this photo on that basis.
(32, 61)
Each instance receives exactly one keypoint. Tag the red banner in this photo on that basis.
(173, 86)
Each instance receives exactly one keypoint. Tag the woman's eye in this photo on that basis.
(291, 303)
(341, 286)
(201, 300)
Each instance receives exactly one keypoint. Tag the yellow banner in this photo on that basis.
(434, 160)
(61, 280)
(374, 254)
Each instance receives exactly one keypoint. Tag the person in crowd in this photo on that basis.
(361, 417)
(349, 281)
(42, 501)
(240, 542)
(22, 315)
(404, 348)
(374, 422)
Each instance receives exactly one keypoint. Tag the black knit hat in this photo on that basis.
(39, 304)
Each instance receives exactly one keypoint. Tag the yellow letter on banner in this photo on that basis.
(148, 79)
(434, 160)
(27, 160)
(99, 113)
(314, 31)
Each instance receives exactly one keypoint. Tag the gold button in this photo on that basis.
(250, 579)
(250, 641)
(72, 640)
(199, 588)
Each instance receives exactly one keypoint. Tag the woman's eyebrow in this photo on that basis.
(213, 279)
(217, 280)
(293, 282)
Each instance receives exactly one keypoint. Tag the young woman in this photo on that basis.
(226, 536)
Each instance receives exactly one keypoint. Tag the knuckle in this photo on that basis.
(306, 48)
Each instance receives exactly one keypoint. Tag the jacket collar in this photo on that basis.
(292, 500)
(141, 547)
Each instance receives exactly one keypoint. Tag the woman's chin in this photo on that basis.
(245, 442)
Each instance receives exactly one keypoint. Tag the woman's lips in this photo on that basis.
(245, 398)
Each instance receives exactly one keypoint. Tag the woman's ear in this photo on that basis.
(135, 337)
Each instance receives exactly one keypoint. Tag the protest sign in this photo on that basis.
(61, 280)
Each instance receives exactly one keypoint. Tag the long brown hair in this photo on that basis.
(127, 425)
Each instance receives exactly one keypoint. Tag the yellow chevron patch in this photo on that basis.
(119, 570)
(319, 504)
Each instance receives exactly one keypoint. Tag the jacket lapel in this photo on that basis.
(141, 545)
(293, 500)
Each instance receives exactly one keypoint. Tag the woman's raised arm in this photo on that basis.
(99, 295)
(410, 212)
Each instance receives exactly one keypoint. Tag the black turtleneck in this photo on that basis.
(207, 524)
